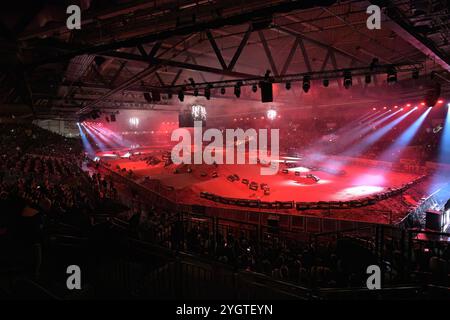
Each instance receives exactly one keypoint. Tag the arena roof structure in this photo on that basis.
(141, 54)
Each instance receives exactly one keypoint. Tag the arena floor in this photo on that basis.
(358, 182)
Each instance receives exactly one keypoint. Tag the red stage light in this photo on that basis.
(408, 104)
(374, 109)
(422, 103)
(440, 101)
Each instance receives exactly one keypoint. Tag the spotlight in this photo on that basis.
(326, 82)
(271, 114)
(134, 122)
(198, 112)
(440, 101)
(368, 78)
(237, 90)
(374, 109)
(195, 92)
(222, 90)
(181, 95)
(208, 92)
(288, 85)
(95, 114)
(415, 74)
(391, 75)
(306, 83)
(374, 63)
(254, 88)
(347, 79)
(156, 95)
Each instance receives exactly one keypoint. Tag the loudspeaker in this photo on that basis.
(433, 220)
(266, 91)
(113, 118)
(156, 95)
(433, 95)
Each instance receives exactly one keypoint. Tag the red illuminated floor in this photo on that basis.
(358, 182)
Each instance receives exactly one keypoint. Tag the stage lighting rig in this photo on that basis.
(374, 64)
(95, 114)
(288, 85)
(306, 83)
(348, 82)
(181, 95)
(391, 75)
(237, 89)
(208, 92)
(306, 78)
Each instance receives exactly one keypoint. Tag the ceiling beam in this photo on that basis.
(184, 65)
(318, 43)
(269, 56)
(216, 50)
(399, 24)
(206, 21)
(239, 50)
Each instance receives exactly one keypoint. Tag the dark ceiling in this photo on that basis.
(125, 48)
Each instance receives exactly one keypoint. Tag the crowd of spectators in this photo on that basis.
(337, 136)
(46, 180)
(41, 184)
(323, 264)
